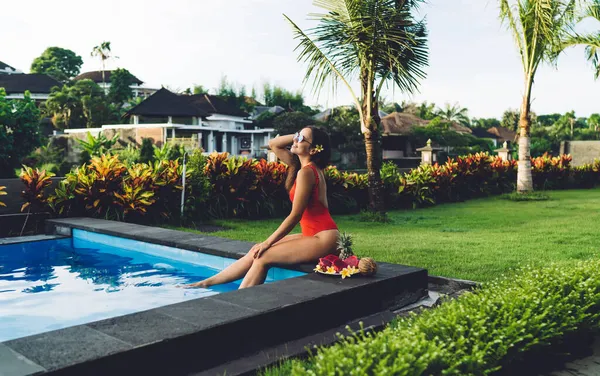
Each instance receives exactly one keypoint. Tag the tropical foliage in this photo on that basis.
(19, 131)
(381, 41)
(542, 30)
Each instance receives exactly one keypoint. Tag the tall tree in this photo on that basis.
(454, 113)
(19, 131)
(542, 29)
(104, 52)
(120, 87)
(381, 41)
(60, 63)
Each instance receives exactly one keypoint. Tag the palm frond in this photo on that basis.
(507, 15)
(320, 67)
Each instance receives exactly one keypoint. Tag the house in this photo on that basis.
(139, 90)
(200, 120)
(7, 69)
(39, 85)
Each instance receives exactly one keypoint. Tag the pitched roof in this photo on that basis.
(96, 76)
(4, 66)
(36, 83)
(166, 103)
(215, 105)
(483, 133)
(259, 110)
(401, 123)
(503, 134)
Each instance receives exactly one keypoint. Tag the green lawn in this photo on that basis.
(476, 240)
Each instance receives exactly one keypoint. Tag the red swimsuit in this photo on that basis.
(316, 217)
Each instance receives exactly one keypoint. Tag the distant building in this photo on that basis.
(7, 69)
(39, 85)
(194, 121)
(139, 90)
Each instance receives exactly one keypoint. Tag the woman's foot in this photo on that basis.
(201, 284)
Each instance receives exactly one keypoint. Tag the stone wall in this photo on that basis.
(582, 151)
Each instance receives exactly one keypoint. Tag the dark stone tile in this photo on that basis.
(143, 327)
(306, 287)
(261, 298)
(61, 348)
(206, 312)
(236, 247)
(198, 241)
(15, 364)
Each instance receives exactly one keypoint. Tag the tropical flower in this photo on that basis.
(346, 273)
(330, 270)
(318, 148)
(318, 268)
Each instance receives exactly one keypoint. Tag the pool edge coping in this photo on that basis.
(290, 302)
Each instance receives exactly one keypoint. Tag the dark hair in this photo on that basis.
(321, 159)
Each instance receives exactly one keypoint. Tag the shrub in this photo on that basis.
(2, 193)
(129, 155)
(478, 333)
(529, 196)
(551, 172)
(35, 183)
(147, 151)
(235, 184)
(199, 187)
(270, 178)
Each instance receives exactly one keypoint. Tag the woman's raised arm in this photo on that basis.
(279, 146)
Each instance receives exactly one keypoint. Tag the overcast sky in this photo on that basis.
(179, 43)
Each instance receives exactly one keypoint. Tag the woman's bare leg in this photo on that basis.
(236, 270)
(296, 251)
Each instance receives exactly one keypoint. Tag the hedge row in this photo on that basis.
(222, 186)
(479, 333)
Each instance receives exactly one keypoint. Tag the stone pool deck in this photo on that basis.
(201, 334)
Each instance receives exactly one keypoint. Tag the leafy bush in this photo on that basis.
(2, 193)
(19, 131)
(107, 188)
(97, 146)
(479, 333)
(147, 151)
(199, 187)
(129, 155)
(235, 185)
(35, 183)
(551, 172)
(528, 196)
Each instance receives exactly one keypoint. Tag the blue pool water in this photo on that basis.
(54, 284)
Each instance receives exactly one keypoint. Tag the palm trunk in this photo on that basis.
(524, 177)
(370, 127)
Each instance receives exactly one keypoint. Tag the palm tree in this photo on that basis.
(591, 41)
(542, 29)
(380, 42)
(103, 51)
(454, 114)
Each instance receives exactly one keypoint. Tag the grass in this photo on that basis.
(476, 240)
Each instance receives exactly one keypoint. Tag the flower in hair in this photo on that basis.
(319, 148)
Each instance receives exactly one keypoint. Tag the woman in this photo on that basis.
(309, 155)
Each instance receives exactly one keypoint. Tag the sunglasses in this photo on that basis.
(299, 137)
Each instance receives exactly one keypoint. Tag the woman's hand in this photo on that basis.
(259, 249)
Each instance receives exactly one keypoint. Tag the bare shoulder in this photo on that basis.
(305, 175)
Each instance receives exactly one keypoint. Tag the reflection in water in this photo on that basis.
(50, 285)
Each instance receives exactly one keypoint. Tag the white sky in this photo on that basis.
(178, 43)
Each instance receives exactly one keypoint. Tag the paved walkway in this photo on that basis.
(588, 366)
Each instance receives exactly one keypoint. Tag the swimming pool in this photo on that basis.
(53, 284)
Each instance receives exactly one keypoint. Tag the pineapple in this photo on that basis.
(344, 245)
